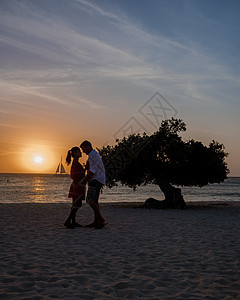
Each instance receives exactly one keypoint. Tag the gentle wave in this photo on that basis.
(47, 188)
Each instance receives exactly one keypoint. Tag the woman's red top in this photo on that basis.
(77, 172)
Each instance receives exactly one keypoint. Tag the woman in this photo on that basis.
(77, 190)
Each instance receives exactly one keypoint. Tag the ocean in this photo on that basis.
(48, 188)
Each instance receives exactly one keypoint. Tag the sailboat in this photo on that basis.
(60, 169)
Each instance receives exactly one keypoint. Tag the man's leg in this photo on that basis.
(92, 200)
(98, 219)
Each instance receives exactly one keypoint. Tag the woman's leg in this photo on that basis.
(71, 220)
(77, 203)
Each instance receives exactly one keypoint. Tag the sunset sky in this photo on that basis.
(72, 70)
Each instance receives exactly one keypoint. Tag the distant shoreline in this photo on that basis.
(190, 205)
(32, 173)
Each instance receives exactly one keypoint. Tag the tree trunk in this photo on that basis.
(173, 198)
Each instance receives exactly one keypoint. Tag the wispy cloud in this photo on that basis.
(79, 56)
(58, 40)
(30, 95)
(68, 64)
(97, 9)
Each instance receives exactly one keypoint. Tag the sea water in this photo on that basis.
(48, 188)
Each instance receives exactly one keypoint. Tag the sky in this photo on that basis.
(72, 70)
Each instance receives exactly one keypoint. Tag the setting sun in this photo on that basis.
(38, 159)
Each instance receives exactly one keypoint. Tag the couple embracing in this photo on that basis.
(95, 177)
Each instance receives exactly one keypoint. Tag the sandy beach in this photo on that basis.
(141, 254)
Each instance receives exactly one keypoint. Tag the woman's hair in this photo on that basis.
(70, 154)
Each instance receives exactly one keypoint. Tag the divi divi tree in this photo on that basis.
(165, 159)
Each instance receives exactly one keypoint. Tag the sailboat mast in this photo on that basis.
(60, 168)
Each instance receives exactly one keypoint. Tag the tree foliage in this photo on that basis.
(164, 157)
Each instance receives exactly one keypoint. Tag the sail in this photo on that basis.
(57, 171)
(62, 169)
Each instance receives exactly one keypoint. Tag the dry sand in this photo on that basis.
(141, 254)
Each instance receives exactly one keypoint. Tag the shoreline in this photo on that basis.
(129, 204)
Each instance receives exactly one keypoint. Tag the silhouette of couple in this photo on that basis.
(95, 177)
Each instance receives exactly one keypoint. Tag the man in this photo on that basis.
(96, 179)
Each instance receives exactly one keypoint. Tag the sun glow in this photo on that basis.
(38, 158)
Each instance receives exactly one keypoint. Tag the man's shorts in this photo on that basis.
(93, 192)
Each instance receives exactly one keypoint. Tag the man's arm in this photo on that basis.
(87, 177)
